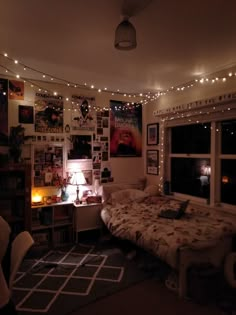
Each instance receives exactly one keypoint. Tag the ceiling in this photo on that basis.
(177, 41)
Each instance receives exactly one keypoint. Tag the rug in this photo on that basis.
(64, 281)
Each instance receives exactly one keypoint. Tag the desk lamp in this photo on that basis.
(76, 180)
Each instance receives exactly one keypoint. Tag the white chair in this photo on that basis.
(5, 292)
(19, 248)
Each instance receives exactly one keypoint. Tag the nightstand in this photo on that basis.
(87, 217)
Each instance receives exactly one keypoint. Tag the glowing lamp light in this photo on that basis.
(36, 199)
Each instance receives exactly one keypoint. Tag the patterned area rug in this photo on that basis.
(63, 281)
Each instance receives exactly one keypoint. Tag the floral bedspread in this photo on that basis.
(139, 223)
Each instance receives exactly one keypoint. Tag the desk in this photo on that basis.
(86, 217)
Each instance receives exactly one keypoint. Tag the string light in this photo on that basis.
(150, 96)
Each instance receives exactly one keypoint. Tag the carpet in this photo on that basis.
(64, 281)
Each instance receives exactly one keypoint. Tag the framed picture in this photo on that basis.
(152, 134)
(80, 147)
(26, 114)
(152, 162)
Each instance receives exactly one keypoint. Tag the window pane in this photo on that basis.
(191, 176)
(228, 181)
(228, 134)
(191, 138)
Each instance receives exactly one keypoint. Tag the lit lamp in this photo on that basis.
(76, 180)
(36, 199)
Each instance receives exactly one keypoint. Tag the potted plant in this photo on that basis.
(16, 139)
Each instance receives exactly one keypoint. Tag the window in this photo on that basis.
(228, 162)
(191, 176)
(191, 139)
(200, 153)
(190, 159)
(228, 138)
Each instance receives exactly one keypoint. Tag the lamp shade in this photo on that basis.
(125, 36)
(78, 179)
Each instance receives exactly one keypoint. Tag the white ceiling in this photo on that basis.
(177, 40)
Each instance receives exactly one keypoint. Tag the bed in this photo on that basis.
(199, 235)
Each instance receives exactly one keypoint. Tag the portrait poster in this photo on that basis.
(16, 90)
(3, 111)
(83, 113)
(26, 114)
(48, 113)
(125, 129)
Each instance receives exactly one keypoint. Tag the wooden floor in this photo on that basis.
(149, 297)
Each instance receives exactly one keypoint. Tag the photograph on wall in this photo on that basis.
(80, 147)
(16, 90)
(152, 134)
(48, 113)
(3, 112)
(125, 129)
(48, 165)
(83, 113)
(25, 114)
(152, 162)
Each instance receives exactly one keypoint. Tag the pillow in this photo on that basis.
(127, 195)
(151, 190)
(109, 189)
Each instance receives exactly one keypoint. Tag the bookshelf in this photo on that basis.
(15, 195)
(52, 225)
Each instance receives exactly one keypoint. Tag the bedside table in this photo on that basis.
(86, 217)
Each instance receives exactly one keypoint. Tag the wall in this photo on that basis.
(123, 169)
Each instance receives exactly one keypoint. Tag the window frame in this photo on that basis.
(215, 156)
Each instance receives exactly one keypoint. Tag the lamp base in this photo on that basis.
(77, 201)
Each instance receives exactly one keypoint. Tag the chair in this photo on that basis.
(5, 292)
(19, 248)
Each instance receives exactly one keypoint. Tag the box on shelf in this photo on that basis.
(94, 199)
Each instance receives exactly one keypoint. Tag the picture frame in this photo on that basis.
(25, 114)
(152, 162)
(153, 134)
(80, 147)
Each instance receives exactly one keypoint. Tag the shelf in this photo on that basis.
(52, 204)
(15, 195)
(41, 227)
(59, 217)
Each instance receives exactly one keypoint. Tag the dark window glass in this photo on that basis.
(228, 134)
(191, 138)
(228, 181)
(191, 176)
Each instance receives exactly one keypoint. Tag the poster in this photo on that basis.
(3, 112)
(83, 114)
(125, 129)
(16, 90)
(25, 114)
(48, 113)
